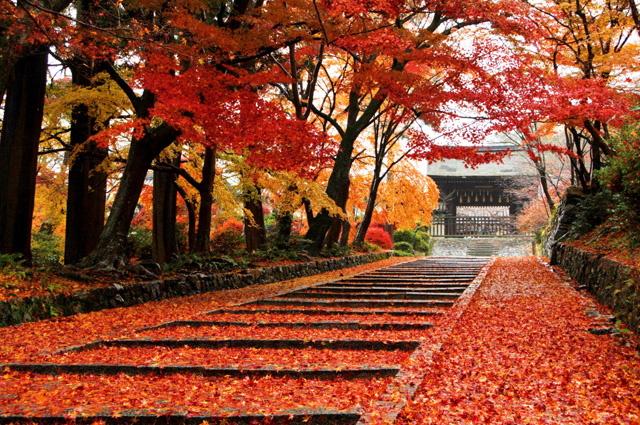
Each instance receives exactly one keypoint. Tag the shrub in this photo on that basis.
(139, 243)
(380, 237)
(227, 238)
(403, 246)
(339, 251)
(403, 236)
(621, 180)
(45, 249)
(402, 254)
(591, 212)
(421, 242)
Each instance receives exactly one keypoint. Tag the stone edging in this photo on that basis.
(613, 283)
(16, 311)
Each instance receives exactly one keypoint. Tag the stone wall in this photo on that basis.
(560, 224)
(13, 312)
(614, 284)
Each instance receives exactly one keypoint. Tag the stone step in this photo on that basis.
(313, 312)
(399, 295)
(298, 325)
(329, 344)
(385, 288)
(299, 417)
(385, 280)
(353, 303)
(111, 369)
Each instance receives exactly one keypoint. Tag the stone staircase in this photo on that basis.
(483, 248)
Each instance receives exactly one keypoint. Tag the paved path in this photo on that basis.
(361, 339)
(523, 353)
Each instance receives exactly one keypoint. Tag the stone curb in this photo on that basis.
(615, 284)
(28, 309)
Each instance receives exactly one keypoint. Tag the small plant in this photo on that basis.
(419, 239)
(380, 237)
(46, 249)
(404, 247)
(12, 265)
(139, 243)
(339, 251)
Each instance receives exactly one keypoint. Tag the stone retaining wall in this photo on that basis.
(614, 284)
(16, 311)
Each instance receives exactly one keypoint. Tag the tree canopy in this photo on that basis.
(259, 110)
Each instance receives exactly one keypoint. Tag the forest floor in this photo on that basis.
(520, 352)
(614, 244)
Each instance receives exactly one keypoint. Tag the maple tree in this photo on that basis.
(588, 46)
(299, 89)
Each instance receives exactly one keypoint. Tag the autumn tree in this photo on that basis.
(24, 51)
(407, 54)
(589, 45)
(196, 95)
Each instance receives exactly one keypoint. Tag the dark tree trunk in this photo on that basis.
(346, 228)
(110, 251)
(87, 189)
(333, 236)
(255, 234)
(191, 213)
(368, 213)
(203, 235)
(635, 14)
(284, 227)
(19, 152)
(165, 243)
(309, 212)
(338, 179)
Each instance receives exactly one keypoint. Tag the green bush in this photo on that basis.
(403, 246)
(592, 211)
(139, 243)
(339, 251)
(368, 247)
(621, 181)
(421, 243)
(12, 265)
(45, 249)
(403, 235)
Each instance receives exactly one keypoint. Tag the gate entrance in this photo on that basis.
(481, 201)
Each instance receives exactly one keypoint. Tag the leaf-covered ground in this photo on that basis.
(22, 282)
(522, 354)
(27, 342)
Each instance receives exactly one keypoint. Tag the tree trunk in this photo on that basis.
(338, 179)
(368, 212)
(255, 234)
(203, 235)
(87, 189)
(333, 236)
(191, 213)
(346, 228)
(110, 251)
(284, 227)
(165, 195)
(19, 152)
(545, 185)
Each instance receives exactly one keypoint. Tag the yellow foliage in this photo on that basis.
(408, 197)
